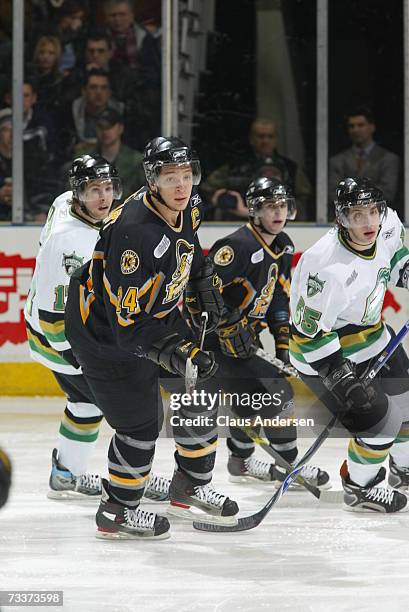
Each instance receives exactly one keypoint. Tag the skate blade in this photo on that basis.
(361, 510)
(195, 514)
(148, 500)
(72, 495)
(121, 535)
(248, 480)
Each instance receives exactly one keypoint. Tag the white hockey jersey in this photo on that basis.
(67, 241)
(337, 297)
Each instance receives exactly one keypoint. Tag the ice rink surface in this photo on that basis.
(305, 556)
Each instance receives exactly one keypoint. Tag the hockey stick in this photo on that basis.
(192, 370)
(277, 363)
(249, 522)
(329, 497)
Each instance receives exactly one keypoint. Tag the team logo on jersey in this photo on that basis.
(262, 303)
(129, 262)
(195, 213)
(180, 277)
(314, 285)
(224, 256)
(71, 262)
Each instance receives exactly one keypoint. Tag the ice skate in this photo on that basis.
(157, 489)
(210, 506)
(398, 476)
(118, 522)
(249, 470)
(311, 474)
(370, 498)
(65, 485)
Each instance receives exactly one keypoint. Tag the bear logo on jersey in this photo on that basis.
(129, 262)
(180, 277)
(71, 262)
(314, 285)
(224, 256)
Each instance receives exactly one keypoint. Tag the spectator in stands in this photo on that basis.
(110, 128)
(46, 62)
(40, 185)
(225, 187)
(95, 99)
(98, 56)
(36, 122)
(365, 157)
(6, 148)
(133, 44)
(71, 32)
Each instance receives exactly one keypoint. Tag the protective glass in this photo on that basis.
(175, 175)
(100, 189)
(364, 215)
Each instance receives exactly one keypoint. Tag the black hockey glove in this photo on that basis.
(348, 389)
(203, 295)
(172, 353)
(281, 333)
(5, 477)
(236, 337)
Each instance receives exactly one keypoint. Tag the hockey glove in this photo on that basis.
(281, 333)
(203, 295)
(172, 353)
(5, 477)
(236, 337)
(347, 388)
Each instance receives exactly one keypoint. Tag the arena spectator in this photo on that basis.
(225, 187)
(110, 128)
(95, 99)
(6, 149)
(45, 68)
(365, 157)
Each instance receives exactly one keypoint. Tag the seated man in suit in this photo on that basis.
(365, 157)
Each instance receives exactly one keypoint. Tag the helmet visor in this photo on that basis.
(363, 215)
(182, 174)
(279, 205)
(92, 190)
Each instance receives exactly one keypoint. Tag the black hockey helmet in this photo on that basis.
(87, 168)
(264, 189)
(163, 151)
(357, 191)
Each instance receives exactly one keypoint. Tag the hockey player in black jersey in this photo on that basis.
(254, 264)
(126, 331)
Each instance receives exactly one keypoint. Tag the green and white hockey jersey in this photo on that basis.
(337, 296)
(67, 241)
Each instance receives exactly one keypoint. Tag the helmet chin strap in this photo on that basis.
(157, 194)
(89, 214)
(261, 227)
(347, 236)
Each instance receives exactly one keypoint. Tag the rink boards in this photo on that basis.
(18, 248)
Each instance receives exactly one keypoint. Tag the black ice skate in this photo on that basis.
(398, 476)
(118, 522)
(371, 498)
(249, 470)
(64, 485)
(157, 489)
(313, 475)
(214, 507)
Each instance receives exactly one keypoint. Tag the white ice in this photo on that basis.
(305, 556)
